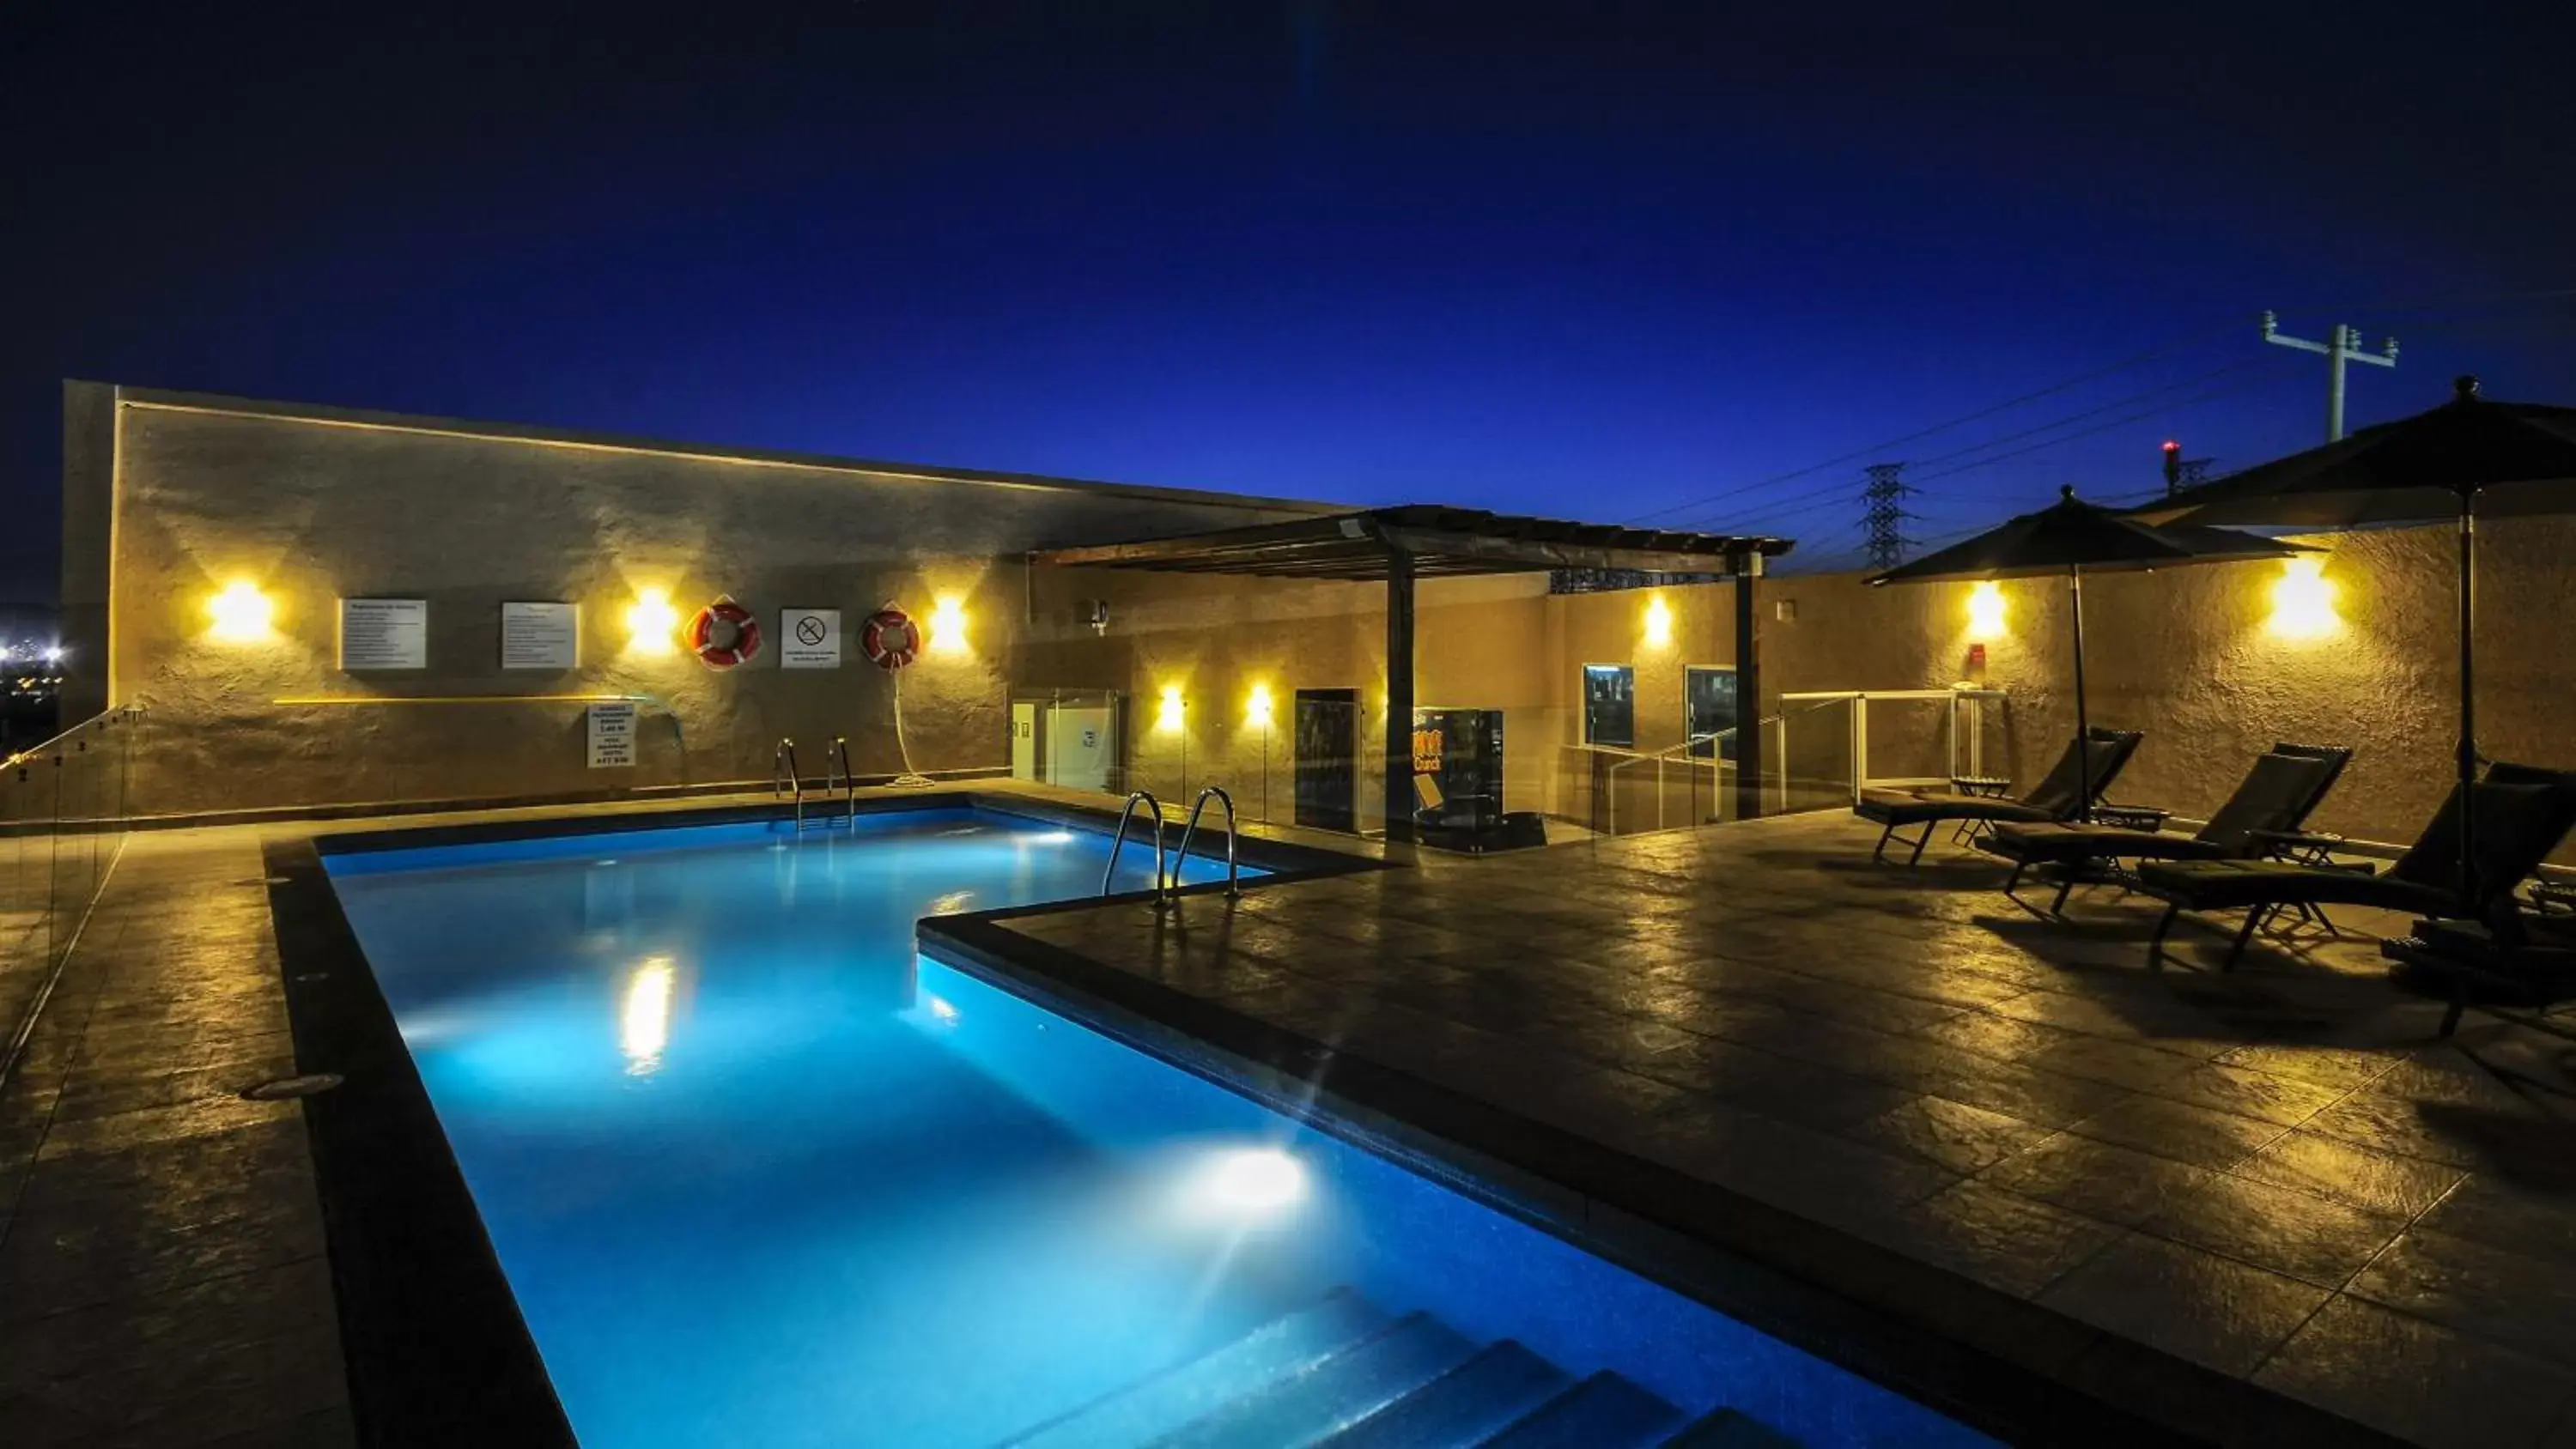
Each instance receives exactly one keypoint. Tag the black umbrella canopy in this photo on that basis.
(2073, 534)
(2516, 458)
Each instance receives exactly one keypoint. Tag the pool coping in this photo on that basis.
(2003, 1365)
(423, 1304)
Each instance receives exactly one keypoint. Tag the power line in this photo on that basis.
(1880, 448)
(2082, 433)
(2210, 376)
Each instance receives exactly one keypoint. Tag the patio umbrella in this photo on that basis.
(2467, 458)
(2073, 537)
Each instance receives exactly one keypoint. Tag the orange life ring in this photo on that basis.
(891, 640)
(724, 634)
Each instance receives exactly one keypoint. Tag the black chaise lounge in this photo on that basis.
(2270, 804)
(2523, 812)
(2058, 796)
(2523, 960)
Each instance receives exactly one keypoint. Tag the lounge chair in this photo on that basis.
(2523, 812)
(2058, 796)
(2269, 805)
(2523, 960)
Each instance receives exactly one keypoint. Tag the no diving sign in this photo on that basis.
(809, 638)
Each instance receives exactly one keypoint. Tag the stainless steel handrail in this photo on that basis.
(849, 780)
(784, 758)
(1109, 871)
(1233, 875)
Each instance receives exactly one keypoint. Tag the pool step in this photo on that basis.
(1463, 1407)
(1604, 1411)
(1169, 1401)
(1343, 1374)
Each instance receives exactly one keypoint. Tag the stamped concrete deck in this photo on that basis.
(2272, 1173)
(2268, 1173)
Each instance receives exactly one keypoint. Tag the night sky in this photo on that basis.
(1598, 260)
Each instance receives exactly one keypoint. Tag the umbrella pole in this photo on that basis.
(2468, 761)
(2083, 729)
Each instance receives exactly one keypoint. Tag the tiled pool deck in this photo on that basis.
(2270, 1174)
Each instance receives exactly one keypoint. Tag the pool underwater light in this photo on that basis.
(1254, 1180)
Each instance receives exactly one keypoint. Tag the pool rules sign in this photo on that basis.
(612, 735)
(809, 638)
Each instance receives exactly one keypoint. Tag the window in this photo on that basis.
(1610, 705)
(1708, 702)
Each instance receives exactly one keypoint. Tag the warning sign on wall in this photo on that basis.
(612, 735)
(809, 638)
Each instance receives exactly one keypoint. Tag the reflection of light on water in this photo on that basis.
(1045, 837)
(939, 1008)
(1255, 1180)
(952, 903)
(644, 1028)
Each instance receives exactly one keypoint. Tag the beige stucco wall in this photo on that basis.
(316, 509)
(313, 511)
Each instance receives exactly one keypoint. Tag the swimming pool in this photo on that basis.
(756, 1174)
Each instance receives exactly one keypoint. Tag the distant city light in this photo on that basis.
(54, 655)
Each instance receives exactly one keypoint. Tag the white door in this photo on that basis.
(1080, 742)
(1024, 741)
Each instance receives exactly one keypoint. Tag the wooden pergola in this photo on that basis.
(1396, 546)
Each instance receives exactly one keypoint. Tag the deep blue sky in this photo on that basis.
(1588, 259)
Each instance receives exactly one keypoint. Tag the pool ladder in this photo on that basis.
(784, 779)
(1166, 888)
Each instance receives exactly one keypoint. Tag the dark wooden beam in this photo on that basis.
(1399, 699)
(1748, 696)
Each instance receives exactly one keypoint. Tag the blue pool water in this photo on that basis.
(758, 1176)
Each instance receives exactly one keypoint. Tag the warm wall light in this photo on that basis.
(2303, 600)
(1256, 711)
(1659, 623)
(1985, 611)
(947, 626)
(1169, 716)
(652, 625)
(241, 613)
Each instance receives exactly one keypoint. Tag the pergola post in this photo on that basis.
(1748, 688)
(1399, 696)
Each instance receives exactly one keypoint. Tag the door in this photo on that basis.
(1328, 750)
(1081, 745)
(1024, 739)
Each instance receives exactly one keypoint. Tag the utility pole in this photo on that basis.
(1885, 515)
(2346, 344)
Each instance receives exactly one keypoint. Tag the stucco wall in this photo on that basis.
(312, 512)
(316, 510)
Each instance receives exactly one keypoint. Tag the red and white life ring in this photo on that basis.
(891, 640)
(724, 634)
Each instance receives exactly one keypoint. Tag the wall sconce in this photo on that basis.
(2303, 600)
(241, 613)
(1256, 710)
(1659, 623)
(652, 625)
(1168, 716)
(947, 626)
(1986, 611)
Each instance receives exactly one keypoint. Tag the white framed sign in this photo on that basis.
(809, 638)
(540, 636)
(384, 634)
(612, 735)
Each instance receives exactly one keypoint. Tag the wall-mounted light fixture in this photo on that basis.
(1256, 709)
(947, 626)
(1168, 715)
(1659, 622)
(652, 625)
(2303, 600)
(241, 614)
(1986, 611)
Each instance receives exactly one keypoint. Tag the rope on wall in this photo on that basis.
(910, 779)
